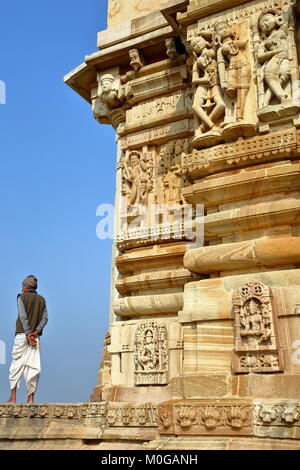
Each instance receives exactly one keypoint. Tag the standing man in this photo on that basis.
(31, 321)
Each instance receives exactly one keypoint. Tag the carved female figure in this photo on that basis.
(208, 104)
(273, 54)
(135, 175)
(234, 71)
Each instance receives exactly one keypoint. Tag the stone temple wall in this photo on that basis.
(204, 344)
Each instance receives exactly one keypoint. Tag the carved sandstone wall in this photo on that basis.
(204, 97)
(203, 345)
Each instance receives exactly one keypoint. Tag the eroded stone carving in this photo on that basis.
(151, 354)
(200, 418)
(137, 177)
(186, 416)
(110, 96)
(137, 61)
(273, 32)
(171, 49)
(255, 339)
(208, 104)
(234, 67)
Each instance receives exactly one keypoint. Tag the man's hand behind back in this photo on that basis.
(31, 338)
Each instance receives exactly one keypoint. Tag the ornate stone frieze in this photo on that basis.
(151, 354)
(152, 183)
(256, 348)
(277, 414)
(276, 145)
(206, 417)
(157, 135)
(98, 414)
(238, 13)
(155, 110)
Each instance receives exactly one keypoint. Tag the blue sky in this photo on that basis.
(57, 166)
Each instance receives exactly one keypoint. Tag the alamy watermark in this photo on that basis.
(2, 92)
(153, 222)
(2, 353)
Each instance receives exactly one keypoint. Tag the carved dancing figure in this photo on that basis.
(135, 174)
(148, 356)
(235, 77)
(208, 104)
(272, 53)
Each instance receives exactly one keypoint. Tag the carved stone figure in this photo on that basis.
(150, 354)
(171, 49)
(137, 177)
(272, 46)
(235, 78)
(110, 97)
(208, 104)
(136, 59)
(255, 340)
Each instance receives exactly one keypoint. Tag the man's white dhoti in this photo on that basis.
(26, 360)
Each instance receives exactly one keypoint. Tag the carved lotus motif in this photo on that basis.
(290, 414)
(111, 416)
(58, 411)
(238, 417)
(212, 417)
(165, 417)
(143, 416)
(268, 413)
(186, 416)
(103, 408)
(71, 411)
(42, 410)
(126, 416)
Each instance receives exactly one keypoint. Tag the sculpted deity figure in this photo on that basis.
(208, 104)
(273, 50)
(148, 356)
(136, 177)
(136, 59)
(273, 53)
(110, 97)
(235, 78)
(109, 91)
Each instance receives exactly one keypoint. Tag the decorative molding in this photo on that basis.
(263, 148)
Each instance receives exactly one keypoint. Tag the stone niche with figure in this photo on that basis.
(203, 349)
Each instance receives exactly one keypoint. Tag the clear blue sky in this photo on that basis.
(57, 166)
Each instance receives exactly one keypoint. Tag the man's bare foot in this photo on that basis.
(13, 396)
(30, 398)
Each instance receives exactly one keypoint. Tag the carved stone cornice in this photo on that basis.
(278, 145)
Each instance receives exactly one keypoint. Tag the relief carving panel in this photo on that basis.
(256, 348)
(151, 354)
